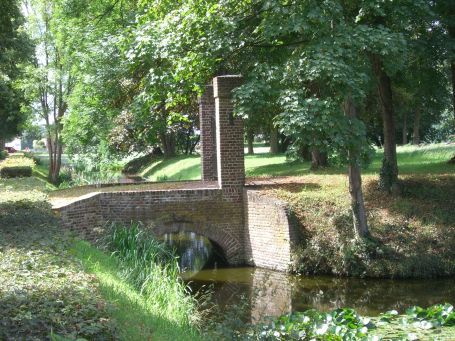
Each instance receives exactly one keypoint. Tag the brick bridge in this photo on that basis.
(249, 227)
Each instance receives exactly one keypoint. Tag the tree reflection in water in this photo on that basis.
(193, 250)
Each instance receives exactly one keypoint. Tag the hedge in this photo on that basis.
(16, 167)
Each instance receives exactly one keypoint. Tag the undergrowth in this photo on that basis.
(412, 234)
(43, 289)
(153, 271)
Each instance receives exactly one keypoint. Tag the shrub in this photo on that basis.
(16, 167)
(3, 154)
(32, 156)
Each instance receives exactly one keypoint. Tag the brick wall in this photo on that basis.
(208, 135)
(83, 216)
(269, 231)
(229, 133)
(203, 211)
(250, 228)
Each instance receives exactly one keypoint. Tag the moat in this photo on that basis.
(259, 293)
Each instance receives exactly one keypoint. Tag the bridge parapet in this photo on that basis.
(249, 229)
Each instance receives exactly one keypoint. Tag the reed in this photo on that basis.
(152, 268)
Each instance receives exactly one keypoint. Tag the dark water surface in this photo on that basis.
(270, 293)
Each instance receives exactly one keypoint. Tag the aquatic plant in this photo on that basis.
(345, 324)
(152, 268)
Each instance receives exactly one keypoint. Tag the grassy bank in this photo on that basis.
(136, 317)
(54, 284)
(43, 289)
(412, 235)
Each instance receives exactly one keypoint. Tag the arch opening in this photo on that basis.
(196, 252)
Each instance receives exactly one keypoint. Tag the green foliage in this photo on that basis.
(346, 324)
(15, 49)
(153, 270)
(16, 167)
(340, 324)
(3, 154)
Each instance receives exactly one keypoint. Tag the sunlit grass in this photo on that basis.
(136, 317)
(411, 159)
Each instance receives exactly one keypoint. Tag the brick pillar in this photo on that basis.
(229, 139)
(208, 135)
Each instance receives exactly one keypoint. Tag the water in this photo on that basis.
(260, 293)
(194, 251)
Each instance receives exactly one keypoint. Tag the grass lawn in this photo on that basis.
(412, 160)
(135, 318)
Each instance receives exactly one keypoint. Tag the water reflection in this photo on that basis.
(272, 293)
(194, 251)
(260, 293)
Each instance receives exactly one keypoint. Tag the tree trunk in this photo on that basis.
(250, 140)
(388, 179)
(50, 150)
(416, 131)
(274, 140)
(304, 153)
(355, 183)
(168, 144)
(318, 159)
(405, 128)
(452, 66)
(2, 144)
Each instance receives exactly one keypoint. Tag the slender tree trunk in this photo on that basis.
(2, 144)
(274, 140)
(57, 162)
(452, 66)
(318, 159)
(416, 130)
(355, 183)
(388, 179)
(250, 141)
(405, 128)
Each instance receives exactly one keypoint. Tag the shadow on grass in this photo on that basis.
(53, 308)
(134, 318)
(292, 187)
(164, 163)
(42, 289)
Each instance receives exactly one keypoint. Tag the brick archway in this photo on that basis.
(230, 246)
(248, 227)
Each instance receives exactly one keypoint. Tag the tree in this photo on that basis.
(50, 81)
(15, 49)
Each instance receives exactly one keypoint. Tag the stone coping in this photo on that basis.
(80, 193)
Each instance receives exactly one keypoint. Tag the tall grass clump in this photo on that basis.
(152, 268)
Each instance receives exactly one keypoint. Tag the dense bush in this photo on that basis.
(14, 167)
(3, 154)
